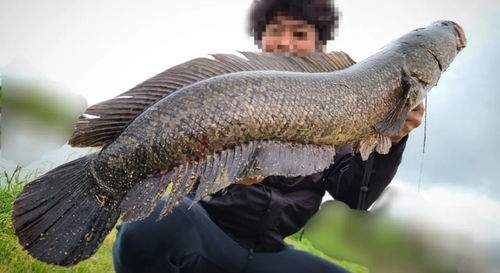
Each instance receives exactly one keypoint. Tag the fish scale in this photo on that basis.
(183, 106)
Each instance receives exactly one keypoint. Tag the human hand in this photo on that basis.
(250, 180)
(413, 120)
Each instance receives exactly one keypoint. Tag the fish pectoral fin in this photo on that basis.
(394, 121)
(102, 122)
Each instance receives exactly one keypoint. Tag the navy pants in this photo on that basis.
(188, 241)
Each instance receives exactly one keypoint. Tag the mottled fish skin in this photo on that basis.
(228, 127)
(334, 108)
(102, 122)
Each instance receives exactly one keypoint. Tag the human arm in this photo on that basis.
(344, 178)
(413, 120)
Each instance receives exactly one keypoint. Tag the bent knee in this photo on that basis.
(173, 233)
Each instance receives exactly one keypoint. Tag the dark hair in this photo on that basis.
(321, 13)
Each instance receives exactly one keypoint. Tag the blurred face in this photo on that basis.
(286, 34)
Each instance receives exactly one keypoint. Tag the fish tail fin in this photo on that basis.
(63, 216)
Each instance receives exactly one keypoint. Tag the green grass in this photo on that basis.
(305, 245)
(14, 259)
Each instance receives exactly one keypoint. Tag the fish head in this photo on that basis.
(444, 40)
(429, 51)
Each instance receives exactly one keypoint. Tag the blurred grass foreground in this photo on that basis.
(38, 115)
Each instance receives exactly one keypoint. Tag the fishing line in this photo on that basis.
(423, 145)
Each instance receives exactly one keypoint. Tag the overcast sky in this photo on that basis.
(101, 48)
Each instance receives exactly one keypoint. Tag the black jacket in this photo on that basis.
(260, 216)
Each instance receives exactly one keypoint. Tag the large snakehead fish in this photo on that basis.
(259, 115)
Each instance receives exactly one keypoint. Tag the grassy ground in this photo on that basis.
(13, 259)
(305, 245)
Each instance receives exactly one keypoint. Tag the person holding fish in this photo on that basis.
(309, 123)
(242, 227)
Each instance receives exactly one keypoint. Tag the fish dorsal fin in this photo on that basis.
(101, 122)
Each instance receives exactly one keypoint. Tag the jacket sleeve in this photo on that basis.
(343, 180)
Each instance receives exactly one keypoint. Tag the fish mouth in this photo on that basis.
(460, 36)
